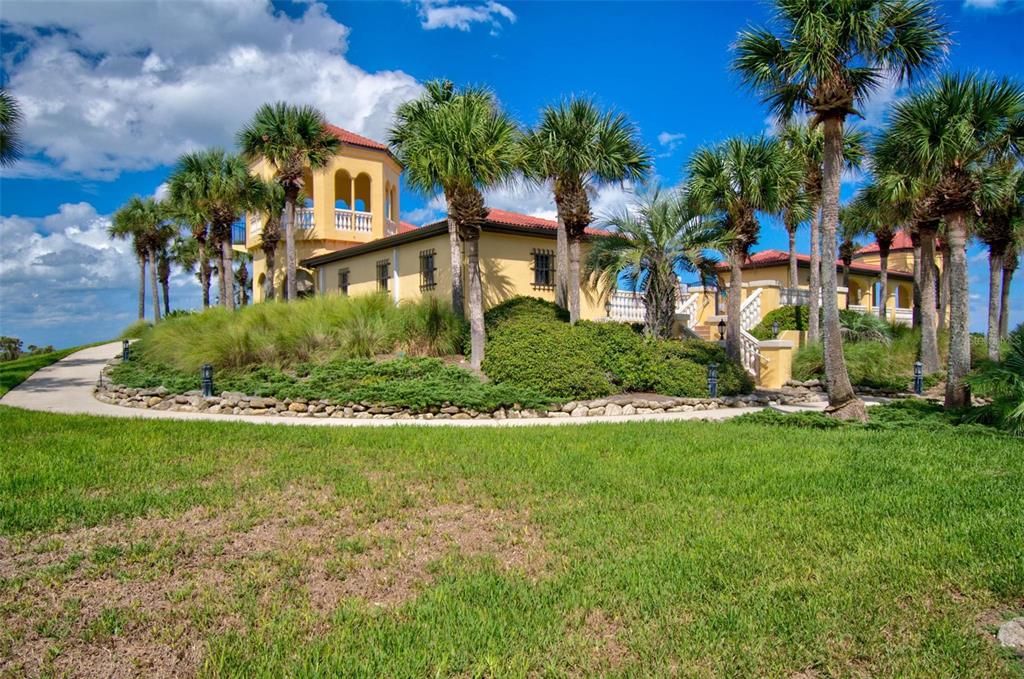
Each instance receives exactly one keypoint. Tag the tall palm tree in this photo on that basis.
(411, 122)
(290, 139)
(163, 274)
(143, 220)
(826, 58)
(461, 147)
(649, 244)
(956, 132)
(10, 128)
(996, 228)
(579, 148)
(1010, 261)
(241, 277)
(875, 215)
(732, 182)
(270, 203)
(807, 144)
(186, 206)
(850, 227)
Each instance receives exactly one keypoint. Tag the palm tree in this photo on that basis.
(10, 129)
(872, 214)
(460, 147)
(290, 139)
(270, 203)
(996, 228)
(826, 59)
(411, 122)
(163, 274)
(1009, 267)
(241, 277)
(850, 226)
(956, 133)
(142, 220)
(807, 144)
(732, 182)
(579, 148)
(649, 244)
(185, 205)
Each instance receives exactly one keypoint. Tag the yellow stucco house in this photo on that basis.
(351, 241)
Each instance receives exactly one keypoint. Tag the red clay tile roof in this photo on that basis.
(900, 242)
(516, 219)
(776, 257)
(348, 137)
(406, 227)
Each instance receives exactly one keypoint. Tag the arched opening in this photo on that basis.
(876, 295)
(387, 202)
(306, 195)
(904, 296)
(854, 293)
(304, 283)
(362, 197)
(342, 190)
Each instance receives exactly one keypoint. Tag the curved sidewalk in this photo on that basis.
(67, 387)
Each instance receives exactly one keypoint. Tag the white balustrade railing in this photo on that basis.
(353, 220)
(304, 218)
(750, 353)
(629, 307)
(750, 310)
(903, 316)
(859, 308)
(794, 296)
(255, 225)
(689, 307)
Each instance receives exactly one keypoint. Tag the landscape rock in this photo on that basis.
(1011, 635)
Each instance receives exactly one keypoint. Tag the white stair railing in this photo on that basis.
(629, 307)
(689, 307)
(750, 315)
(750, 310)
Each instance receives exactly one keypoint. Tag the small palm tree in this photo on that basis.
(143, 221)
(732, 182)
(1001, 218)
(956, 134)
(649, 244)
(807, 144)
(460, 146)
(186, 205)
(291, 139)
(270, 203)
(10, 128)
(1010, 261)
(849, 229)
(825, 59)
(871, 214)
(578, 148)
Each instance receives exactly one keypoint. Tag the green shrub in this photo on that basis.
(1003, 382)
(522, 308)
(858, 327)
(788, 318)
(135, 330)
(547, 356)
(870, 364)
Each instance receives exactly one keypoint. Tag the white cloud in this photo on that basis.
(670, 142)
(63, 281)
(986, 4)
(436, 14)
(108, 87)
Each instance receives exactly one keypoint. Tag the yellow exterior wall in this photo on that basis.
(776, 367)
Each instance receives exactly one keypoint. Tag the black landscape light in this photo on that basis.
(721, 330)
(713, 380)
(918, 378)
(775, 328)
(207, 380)
(126, 350)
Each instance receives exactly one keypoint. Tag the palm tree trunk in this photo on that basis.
(243, 283)
(573, 280)
(794, 279)
(291, 262)
(1009, 266)
(455, 246)
(944, 287)
(166, 286)
(660, 300)
(842, 402)
(846, 279)
(814, 284)
(268, 283)
(226, 266)
(562, 273)
(958, 394)
(915, 320)
(204, 277)
(156, 288)
(733, 347)
(142, 287)
(883, 281)
(476, 302)
(995, 276)
(929, 326)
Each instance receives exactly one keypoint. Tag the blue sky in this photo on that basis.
(113, 92)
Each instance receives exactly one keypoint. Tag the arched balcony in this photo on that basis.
(352, 202)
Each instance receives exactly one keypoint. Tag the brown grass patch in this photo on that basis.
(138, 598)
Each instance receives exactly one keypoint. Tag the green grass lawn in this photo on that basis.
(690, 549)
(13, 373)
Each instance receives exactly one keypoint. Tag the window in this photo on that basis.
(343, 281)
(428, 281)
(543, 269)
(383, 274)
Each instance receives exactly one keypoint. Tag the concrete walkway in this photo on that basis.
(67, 387)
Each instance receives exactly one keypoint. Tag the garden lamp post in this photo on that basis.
(775, 328)
(713, 380)
(126, 350)
(207, 374)
(918, 378)
(721, 330)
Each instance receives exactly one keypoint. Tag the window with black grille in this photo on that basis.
(343, 281)
(428, 270)
(543, 269)
(383, 274)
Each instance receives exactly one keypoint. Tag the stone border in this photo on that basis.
(237, 403)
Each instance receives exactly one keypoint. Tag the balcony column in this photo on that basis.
(352, 204)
